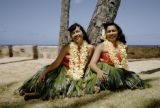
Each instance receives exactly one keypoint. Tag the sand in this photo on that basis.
(14, 71)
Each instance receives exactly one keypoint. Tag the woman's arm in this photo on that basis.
(91, 50)
(94, 60)
(55, 64)
(58, 60)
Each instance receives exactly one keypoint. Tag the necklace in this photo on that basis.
(112, 51)
(78, 60)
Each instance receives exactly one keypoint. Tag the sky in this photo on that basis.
(37, 22)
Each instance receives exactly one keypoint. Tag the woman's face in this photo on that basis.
(77, 35)
(111, 33)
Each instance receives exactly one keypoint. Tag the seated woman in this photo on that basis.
(108, 66)
(64, 77)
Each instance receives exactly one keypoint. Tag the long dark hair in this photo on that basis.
(121, 36)
(73, 27)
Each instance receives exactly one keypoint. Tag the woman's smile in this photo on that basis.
(111, 33)
(77, 35)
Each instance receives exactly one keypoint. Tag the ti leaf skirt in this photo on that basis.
(56, 85)
(117, 78)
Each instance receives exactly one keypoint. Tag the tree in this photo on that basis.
(64, 22)
(105, 11)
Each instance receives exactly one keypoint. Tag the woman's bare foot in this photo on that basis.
(96, 89)
(82, 93)
(21, 92)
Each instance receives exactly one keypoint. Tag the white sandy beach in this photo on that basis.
(14, 71)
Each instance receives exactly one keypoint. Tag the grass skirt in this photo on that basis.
(117, 78)
(56, 85)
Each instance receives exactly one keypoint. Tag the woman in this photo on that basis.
(108, 66)
(64, 77)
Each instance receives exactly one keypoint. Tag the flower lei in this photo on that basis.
(113, 54)
(77, 60)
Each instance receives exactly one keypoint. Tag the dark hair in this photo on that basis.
(121, 36)
(73, 27)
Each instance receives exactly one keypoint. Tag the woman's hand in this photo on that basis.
(102, 76)
(41, 78)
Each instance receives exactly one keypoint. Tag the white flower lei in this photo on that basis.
(113, 54)
(77, 60)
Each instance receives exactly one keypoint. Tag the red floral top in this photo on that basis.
(65, 61)
(104, 57)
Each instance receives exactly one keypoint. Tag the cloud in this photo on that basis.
(78, 1)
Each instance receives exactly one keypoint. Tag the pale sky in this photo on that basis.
(37, 22)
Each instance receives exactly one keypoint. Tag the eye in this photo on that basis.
(77, 31)
(108, 31)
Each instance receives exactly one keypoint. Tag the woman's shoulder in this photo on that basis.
(65, 48)
(90, 46)
(100, 45)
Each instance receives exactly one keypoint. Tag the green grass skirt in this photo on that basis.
(116, 79)
(56, 85)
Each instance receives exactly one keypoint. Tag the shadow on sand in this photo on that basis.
(16, 61)
(151, 71)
